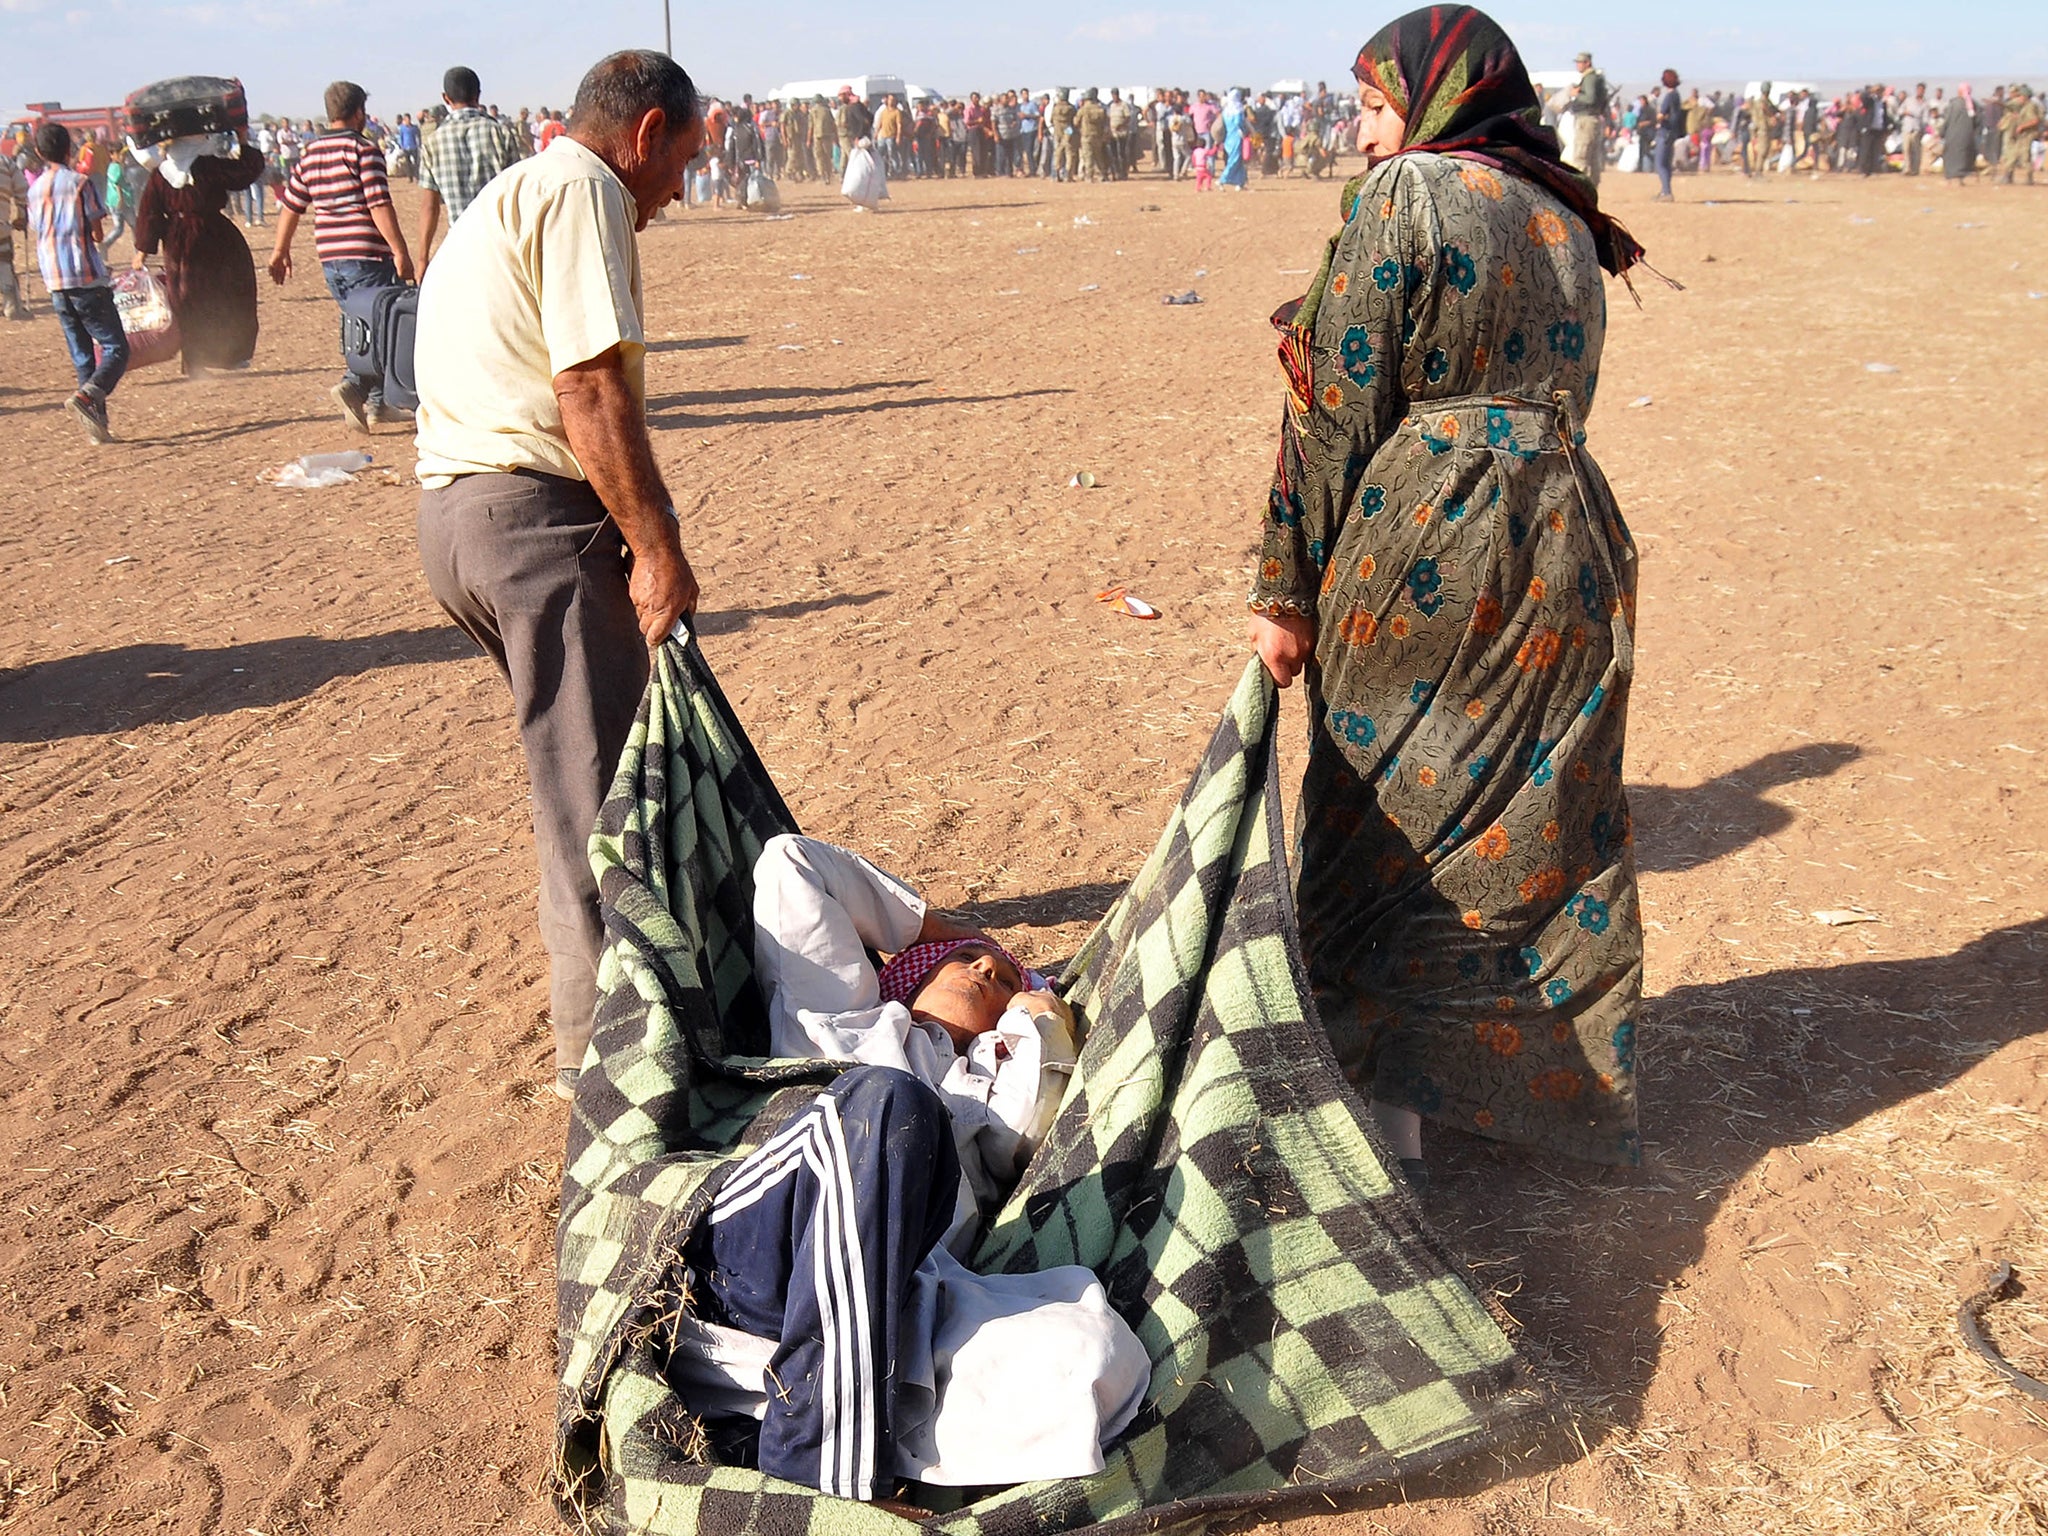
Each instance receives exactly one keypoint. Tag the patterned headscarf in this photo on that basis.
(1462, 89)
(909, 968)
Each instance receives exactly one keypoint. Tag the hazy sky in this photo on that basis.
(93, 52)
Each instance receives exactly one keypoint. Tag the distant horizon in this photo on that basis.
(285, 51)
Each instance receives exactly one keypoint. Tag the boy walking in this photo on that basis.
(65, 212)
(340, 176)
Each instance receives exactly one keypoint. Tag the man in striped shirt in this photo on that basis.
(465, 152)
(340, 176)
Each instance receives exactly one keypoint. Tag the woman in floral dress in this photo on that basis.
(1445, 564)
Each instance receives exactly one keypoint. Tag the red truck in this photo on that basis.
(110, 123)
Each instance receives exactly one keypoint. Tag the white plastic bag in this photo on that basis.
(763, 196)
(318, 471)
(864, 181)
(146, 318)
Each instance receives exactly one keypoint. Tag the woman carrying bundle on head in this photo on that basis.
(1445, 564)
(208, 274)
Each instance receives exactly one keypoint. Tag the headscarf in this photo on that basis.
(906, 972)
(1462, 89)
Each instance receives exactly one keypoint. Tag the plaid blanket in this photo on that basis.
(1308, 1332)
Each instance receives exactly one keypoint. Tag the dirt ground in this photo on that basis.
(276, 1223)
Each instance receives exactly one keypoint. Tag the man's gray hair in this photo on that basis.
(626, 86)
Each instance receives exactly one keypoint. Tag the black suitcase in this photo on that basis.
(377, 327)
(185, 106)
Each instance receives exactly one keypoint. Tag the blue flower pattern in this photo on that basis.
(1459, 269)
(1355, 353)
(1354, 727)
(1568, 339)
(1425, 586)
(1589, 591)
(1591, 912)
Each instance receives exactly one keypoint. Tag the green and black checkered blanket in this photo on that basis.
(1308, 1332)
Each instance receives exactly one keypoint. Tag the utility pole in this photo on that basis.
(668, 31)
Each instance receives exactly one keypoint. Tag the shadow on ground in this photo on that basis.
(1681, 829)
(100, 692)
(676, 409)
(1734, 1070)
(1049, 909)
(731, 621)
(695, 343)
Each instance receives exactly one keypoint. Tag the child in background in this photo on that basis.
(1205, 167)
(65, 212)
(1182, 127)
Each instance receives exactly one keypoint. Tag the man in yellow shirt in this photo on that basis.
(545, 529)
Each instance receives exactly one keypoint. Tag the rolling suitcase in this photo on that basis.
(186, 106)
(377, 340)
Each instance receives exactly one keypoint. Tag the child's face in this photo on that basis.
(968, 993)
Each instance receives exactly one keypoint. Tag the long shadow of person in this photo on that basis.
(731, 621)
(1680, 829)
(98, 693)
(1734, 1070)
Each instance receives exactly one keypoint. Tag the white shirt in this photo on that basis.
(1002, 1378)
(818, 910)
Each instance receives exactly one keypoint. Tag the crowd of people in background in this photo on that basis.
(1056, 135)
(450, 149)
(1772, 129)
(1180, 134)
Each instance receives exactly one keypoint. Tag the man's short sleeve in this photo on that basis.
(584, 276)
(429, 180)
(293, 196)
(370, 171)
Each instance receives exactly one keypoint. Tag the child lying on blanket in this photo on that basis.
(953, 1008)
(826, 1301)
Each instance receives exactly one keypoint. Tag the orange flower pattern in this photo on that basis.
(1499, 1038)
(1467, 892)
(1358, 627)
(1479, 179)
(1546, 228)
(1541, 649)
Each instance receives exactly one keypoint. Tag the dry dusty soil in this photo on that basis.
(276, 1220)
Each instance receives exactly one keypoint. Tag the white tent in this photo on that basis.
(1781, 90)
(869, 88)
(1288, 88)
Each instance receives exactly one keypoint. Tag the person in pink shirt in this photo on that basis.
(978, 140)
(1205, 112)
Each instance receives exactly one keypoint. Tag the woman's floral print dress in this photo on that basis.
(1467, 885)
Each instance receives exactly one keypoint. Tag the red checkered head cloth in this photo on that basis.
(904, 974)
